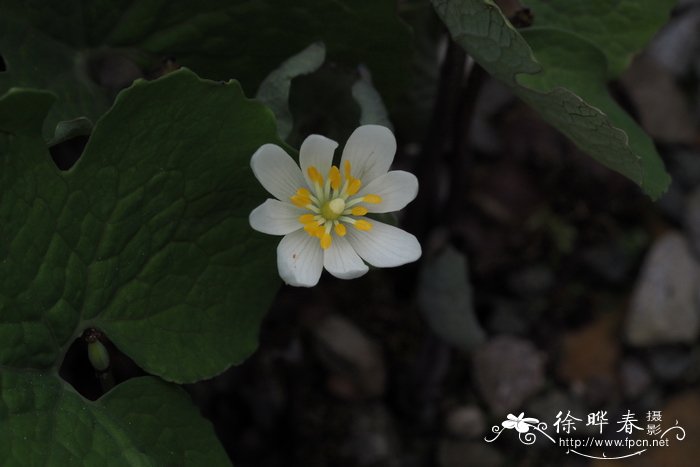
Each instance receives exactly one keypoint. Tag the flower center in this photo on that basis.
(331, 210)
(332, 203)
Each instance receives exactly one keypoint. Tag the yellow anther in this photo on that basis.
(300, 201)
(340, 230)
(326, 241)
(311, 228)
(315, 175)
(354, 186)
(372, 199)
(363, 225)
(359, 211)
(334, 177)
(304, 192)
(348, 176)
(307, 218)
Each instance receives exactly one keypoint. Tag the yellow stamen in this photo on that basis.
(307, 218)
(315, 175)
(326, 241)
(300, 201)
(363, 225)
(311, 228)
(354, 186)
(348, 177)
(304, 192)
(340, 229)
(372, 199)
(334, 177)
(359, 211)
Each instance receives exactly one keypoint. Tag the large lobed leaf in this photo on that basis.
(62, 45)
(145, 238)
(142, 422)
(563, 74)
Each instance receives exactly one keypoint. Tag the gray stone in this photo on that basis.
(508, 370)
(468, 454)
(635, 378)
(664, 303)
(465, 422)
(371, 439)
(355, 362)
(670, 364)
(531, 280)
(678, 43)
(692, 219)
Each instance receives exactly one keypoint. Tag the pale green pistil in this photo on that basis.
(333, 209)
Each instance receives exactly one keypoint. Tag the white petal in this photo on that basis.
(384, 246)
(276, 171)
(316, 151)
(300, 259)
(396, 188)
(341, 260)
(275, 218)
(370, 150)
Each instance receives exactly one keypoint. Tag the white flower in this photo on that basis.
(320, 209)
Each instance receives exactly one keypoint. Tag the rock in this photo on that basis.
(661, 105)
(355, 363)
(466, 422)
(672, 203)
(531, 281)
(508, 317)
(664, 303)
(446, 302)
(692, 220)
(611, 262)
(468, 454)
(634, 377)
(677, 45)
(589, 358)
(371, 439)
(684, 166)
(508, 370)
(669, 364)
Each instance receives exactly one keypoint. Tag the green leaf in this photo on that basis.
(52, 44)
(563, 77)
(146, 237)
(69, 129)
(141, 422)
(618, 28)
(372, 109)
(274, 90)
(445, 300)
(36, 60)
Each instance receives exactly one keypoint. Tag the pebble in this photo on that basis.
(354, 362)
(465, 422)
(468, 454)
(508, 370)
(664, 309)
(669, 364)
(372, 439)
(634, 377)
(692, 220)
